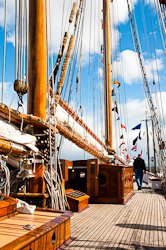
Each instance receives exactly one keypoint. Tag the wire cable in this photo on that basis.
(4, 51)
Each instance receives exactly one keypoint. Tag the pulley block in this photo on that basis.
(20, 87)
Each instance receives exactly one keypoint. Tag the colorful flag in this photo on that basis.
(113, 92)
(121, 144)
(121, 137)
(137, 127)
(139, 136)
(115, 109)
(127, 158)
(134, 148)
(118, 119)
(135, 140)
(123, 126)
(117, 83)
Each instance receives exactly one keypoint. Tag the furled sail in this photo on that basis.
(12, 134)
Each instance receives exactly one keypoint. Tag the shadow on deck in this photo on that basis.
(140, 224)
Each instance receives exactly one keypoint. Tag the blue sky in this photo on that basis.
(130, 95)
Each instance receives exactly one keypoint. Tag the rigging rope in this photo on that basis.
(21, 40)
(158, 97)
(75, 54)
(67, 59)
(4, 52)
(16, 38)
(161, 10)
(146, 86)
(78, 32)
(61, 51)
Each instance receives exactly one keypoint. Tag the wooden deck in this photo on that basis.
(140, 224)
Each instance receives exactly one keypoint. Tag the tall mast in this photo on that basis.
(37, 61)
(154, 148)
(148, 150)
(107, 73)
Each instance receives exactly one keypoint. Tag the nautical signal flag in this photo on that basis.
(127, 157)
(137, 127)
(113, 92)
(139, 136)
(102, 25)
(117, 83)
(121, 144)
(135, 140)
(115, 109)
(121, 137)
(134, 148)
(123, 126)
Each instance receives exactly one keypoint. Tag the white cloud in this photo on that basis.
(127, 67)
(115, 36)
(136, 108)
(136, 114)
(10, 18)
(152, 67)
(159, 52)
(59, 15)
(92, 31)
(120, 11)
(10, 13)
(100, 72)
(152, 2)
(71, 152)
(136, 111)
(10, 97)
(11, 38)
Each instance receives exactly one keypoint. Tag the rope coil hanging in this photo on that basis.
(64, 69)
(73, 11)
(65, 39)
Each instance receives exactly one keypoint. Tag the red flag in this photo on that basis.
(134, 148)
(123, 126)
(121, 144)
(127, 157)
(102, 25)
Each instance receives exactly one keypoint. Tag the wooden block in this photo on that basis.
(77, 204)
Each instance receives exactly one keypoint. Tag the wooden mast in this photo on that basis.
(37, 61)
(107, 74)
(37, 76)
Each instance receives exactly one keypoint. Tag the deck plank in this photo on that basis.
(140, 224)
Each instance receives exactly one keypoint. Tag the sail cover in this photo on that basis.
(12, 133)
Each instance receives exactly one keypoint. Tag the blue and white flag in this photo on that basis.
(137, 127)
